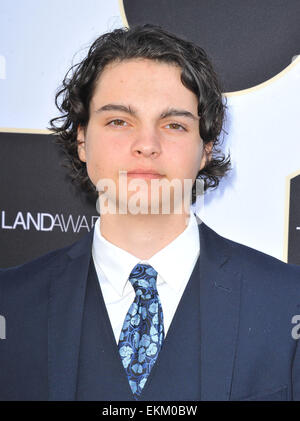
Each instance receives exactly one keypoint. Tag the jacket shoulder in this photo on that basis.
(43, 263)
(250, 260)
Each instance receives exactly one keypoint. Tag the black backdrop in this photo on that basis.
(35, 181)
(294, 221)
(249, 41)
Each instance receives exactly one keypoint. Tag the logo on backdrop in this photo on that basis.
(293, 219)
(42, 221)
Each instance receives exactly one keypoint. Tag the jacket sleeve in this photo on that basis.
(296, 373)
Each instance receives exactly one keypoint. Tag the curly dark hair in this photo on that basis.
(150, 42)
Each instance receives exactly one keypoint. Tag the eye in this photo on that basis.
(117, 123)
(176, 126)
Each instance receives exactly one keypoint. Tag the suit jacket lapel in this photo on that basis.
(220, 285)
(66, 301)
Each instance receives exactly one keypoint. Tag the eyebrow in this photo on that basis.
(170, 112)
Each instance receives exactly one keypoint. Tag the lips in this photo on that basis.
(144, 173)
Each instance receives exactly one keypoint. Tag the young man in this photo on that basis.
(152, 304)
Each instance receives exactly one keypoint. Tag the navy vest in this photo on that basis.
(176, 372)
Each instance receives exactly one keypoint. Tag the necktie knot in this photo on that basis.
(143, 279)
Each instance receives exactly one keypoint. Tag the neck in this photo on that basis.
(142, 235)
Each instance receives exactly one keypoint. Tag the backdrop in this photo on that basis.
(254, 46)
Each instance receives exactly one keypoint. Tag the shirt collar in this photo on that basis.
(171, 263)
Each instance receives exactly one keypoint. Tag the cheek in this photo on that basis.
(103, 154)
(186, 160)
(196, 154)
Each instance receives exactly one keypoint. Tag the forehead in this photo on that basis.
(142, 81)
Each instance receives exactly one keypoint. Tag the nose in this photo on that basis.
(147, 143)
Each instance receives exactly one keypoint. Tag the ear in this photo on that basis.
(81, 143)
(207, 154)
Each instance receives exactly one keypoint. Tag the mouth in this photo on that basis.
(144, 175)
(141, 173)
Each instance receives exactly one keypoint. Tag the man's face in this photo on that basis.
(142, 117)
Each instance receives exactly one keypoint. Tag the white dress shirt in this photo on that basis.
(174, 265)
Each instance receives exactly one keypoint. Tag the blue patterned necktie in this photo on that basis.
(142, 333)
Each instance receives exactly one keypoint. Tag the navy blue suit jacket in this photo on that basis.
(247, 302)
